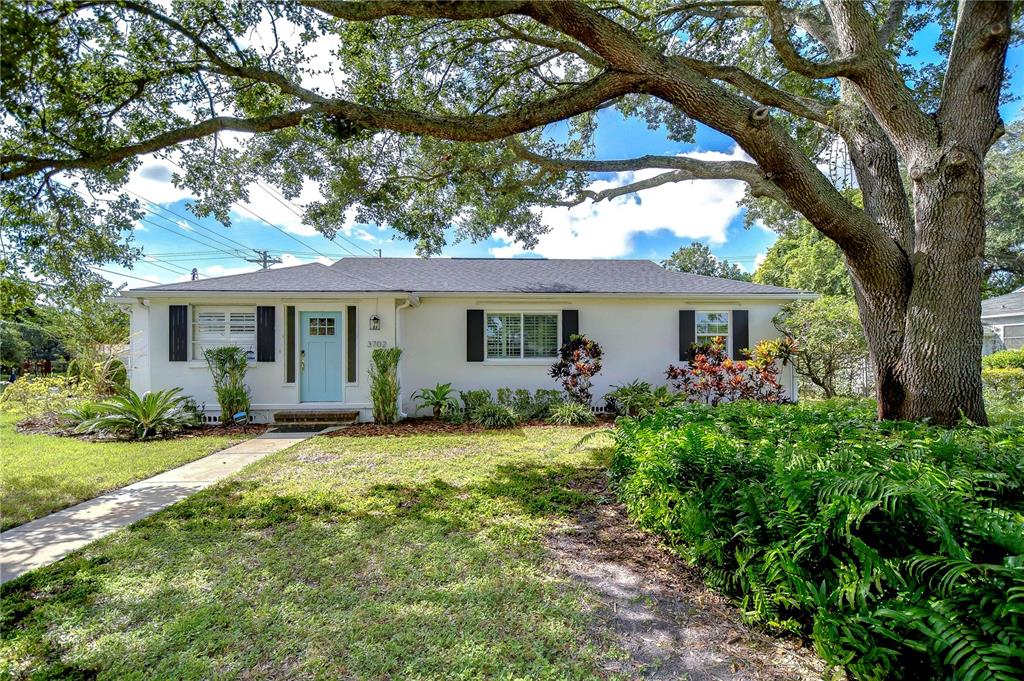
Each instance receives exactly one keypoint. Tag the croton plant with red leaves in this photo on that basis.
(712, 377)
(579, 360)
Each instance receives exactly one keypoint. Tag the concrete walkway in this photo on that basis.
(46, 540)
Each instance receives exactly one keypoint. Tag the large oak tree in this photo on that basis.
(432, 114)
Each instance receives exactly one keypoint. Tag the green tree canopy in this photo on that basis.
(698, 259)
(831, 349)
(425, 116)
(1004, 213)
(802, 258)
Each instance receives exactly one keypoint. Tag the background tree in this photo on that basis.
(1004, 213)
(698, 259)
(832, 351)
(13, 347)
(804, 259)
(433, 113)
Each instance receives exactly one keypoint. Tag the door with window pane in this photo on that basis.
(320, 353)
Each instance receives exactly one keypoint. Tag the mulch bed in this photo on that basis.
(51, 425)
(426, 425)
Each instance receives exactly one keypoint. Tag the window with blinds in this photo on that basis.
(215, 327)
(517, 335)
(540, 336)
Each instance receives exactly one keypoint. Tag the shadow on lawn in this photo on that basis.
(429, 578)
(36, 495)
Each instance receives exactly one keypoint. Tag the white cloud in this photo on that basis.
(267, 203)
(152, 181)
(701, 209)
(363, 234)
(760, 258)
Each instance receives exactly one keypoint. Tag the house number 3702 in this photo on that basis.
(376, 344)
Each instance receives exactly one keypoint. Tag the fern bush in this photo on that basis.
(897, 547)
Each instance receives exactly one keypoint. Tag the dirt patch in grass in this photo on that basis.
(669, 623)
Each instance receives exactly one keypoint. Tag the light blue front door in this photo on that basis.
(320, 354)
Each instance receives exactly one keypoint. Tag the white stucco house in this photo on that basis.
(477, 323)
(1002, 318)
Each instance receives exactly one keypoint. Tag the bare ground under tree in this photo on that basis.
(668, 623)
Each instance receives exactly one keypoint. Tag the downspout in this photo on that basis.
(412, 300)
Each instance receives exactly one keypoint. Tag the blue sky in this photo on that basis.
(649, 225)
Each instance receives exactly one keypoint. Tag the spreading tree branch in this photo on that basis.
(480, 128)
(760, 91)
(779, 31)
(683, 169)
(566, 46)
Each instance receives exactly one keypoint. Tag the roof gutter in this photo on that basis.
(333, 295)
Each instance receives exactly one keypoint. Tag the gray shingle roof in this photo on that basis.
(476, 275)
(1011, 303)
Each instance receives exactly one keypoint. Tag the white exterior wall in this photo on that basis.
(151, 368)
(639, 336)
(1009, 329)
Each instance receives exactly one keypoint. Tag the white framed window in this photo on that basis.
(219, 326)
(521, 335)
(711, 325)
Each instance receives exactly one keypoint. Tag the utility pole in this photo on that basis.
(265, 261)
(195, 273)
(379, 252)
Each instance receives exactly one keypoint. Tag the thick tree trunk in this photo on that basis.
(926, 344)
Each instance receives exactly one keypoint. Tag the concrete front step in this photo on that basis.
(318, 418)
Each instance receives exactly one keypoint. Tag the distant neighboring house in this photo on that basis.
(1003, 320)
(474, 322)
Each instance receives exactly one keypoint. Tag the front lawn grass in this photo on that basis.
(40, 474)
(377, 557)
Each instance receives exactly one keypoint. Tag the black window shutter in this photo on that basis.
(289, 344)
(740, 333)
(178, 333)
(474, 335)
(265, 350)
(687, 334)
(350, 343)
(570, 324)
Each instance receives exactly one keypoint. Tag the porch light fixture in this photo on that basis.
(374, 322)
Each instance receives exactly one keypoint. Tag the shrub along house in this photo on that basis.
(477, 323)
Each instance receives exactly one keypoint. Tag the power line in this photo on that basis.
(289, 234)
(121, 274)
(182, 234)
(178, 269)
(188, 219)
(263, 219)
(166, 269)
(265, 260)
(216, 240)
(274, 194)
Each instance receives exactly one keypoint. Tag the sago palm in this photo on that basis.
(141, 416)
